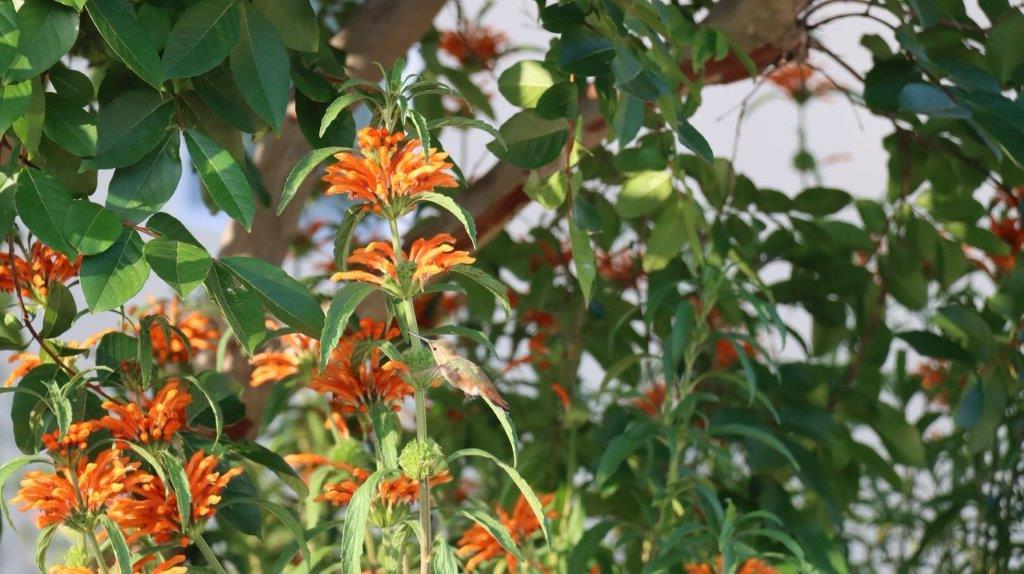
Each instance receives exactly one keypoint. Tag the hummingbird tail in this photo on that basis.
(494, 397)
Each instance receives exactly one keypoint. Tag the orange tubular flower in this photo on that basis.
(76, 438)
(200, 331)
(100, 483)
(401, 490)
(652, 400)
(151, 509)
(274, 366)
(427, 258)
(26, 362)
(749, 566)
(521, 524)
(474, 46)
(355, 386)
(47, 266)
(170, 566)
(387, 175)
(157, 420)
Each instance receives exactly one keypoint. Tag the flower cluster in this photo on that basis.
(800, 81)
(193, 332)
(391, 493)
(285, 361)
(388, 172)
(153, 420)
(474, 46)
(44, 267)
(479, 545)
(404, 273)
(749, 566)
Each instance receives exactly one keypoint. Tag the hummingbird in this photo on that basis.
(462, 373)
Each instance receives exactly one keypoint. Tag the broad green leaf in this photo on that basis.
(550, 192)
(181, 265)
(530, 141)
(116, 275)
(171, 228)
(521, 484)
(28, 419)
(282, 514)
(310, 113)
(355, 522)
(222, 177)
(295, 20)
(218, 90)
(644, 192)
(667, 237)
(89, 228)
(47, 30)
(139, 190)
(583, 259)
(632, 78)
(72, 85)
(819, 201)
(629, 116)
(117, 23)
(69, 126)
(130, 127)
(9, 34)
(901, 439)
(301, 171)
(289, 300)
(42, 204)
(241, 307)
(936, 346)
(487, 281)
(756, 434)
(496, 529)
(444, 560)
(119, 544)
(260, 64)
(694, 141)
(1005, 46)
(585, 52)
(450, 205)
(508, 426)
(337, 106)
(59, 313)
(929, 100)
(559, 101)
(461, 122)
(201, 38)
(29, 126)
(524, 82)
(344, 304)
(14, 100)
(620, 447)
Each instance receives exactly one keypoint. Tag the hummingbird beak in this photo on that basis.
(420, 337)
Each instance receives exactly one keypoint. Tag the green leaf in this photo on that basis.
(260, 64)
(14, 100)
(355, 522)
(119, 544)
(900, 438)
(69, 126)
(550, 192)
(60, 311)
(240, 307)
(130, 127)
(201, 38)
(530, 141)
(43, 541)
(141, 189)
(47, 31)
(585, 52)
(218, 90)
(633, 79)
(181, 265)
(644, 192)
(461, 122)
(90, 228)
(171, 228)
(487, 281)
(586, 547)
(508, 426)
(620, 447)
(819, 201)
(9, 34)
(970, 328)
(72, 85)
(43, 204)
(522, 485)
(116, 275)
(524, 82)
(444, 560)
(7, 469)
(289, 300)
(270, 460)
(29, 127)
(295, 20)
(344, 304)
(117, 23)
(936, 346)
(666, 239)
(340, 104)
(496, 529)
(1005, 46)
(929, 100)
(694, 141)
(343, 237)
(301, 171)
(756, 434)
(282, 514)
(583, 259)
(222, 177)
(449, 205)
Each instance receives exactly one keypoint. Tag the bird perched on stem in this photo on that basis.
(462, 373)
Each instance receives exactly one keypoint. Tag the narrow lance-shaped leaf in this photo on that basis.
(508, 426)
(355, 522)
(344, 304)
(301, 171)
(451, 206)
(496, 529)
(487, 281)
(119, 544)
(336, 107)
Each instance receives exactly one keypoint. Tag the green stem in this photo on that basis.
(97, 554)
(409, 313)
(207, 552)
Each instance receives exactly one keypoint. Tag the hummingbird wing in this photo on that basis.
(469, 378)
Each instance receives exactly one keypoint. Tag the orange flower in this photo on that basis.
(169, 566)
(474, 46)
(427, 258)
(726, 355)
(619, 267)
(76, 438)
(652, 400)
(151, 509)
(1009, 230)
(199, 330)
(401, 490)
(562, 394)
(26, 362)
(355, 386)
(157, 420)
(274, 366)
(46, 266)
(749, 566)
(521, 524)
(385, 175)
(800, 81)
(100, 483)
